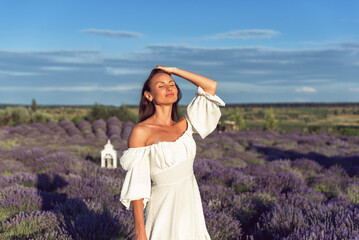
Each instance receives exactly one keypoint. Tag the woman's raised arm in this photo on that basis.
(208, 85)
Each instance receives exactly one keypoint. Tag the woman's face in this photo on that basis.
(163, 89)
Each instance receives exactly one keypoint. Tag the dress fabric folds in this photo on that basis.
(162, 174)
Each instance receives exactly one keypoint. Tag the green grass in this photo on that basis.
(9, 143)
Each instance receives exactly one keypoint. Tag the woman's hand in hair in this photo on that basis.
(170, 70)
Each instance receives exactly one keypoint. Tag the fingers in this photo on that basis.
(164, 68)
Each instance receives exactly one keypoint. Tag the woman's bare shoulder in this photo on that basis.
(138, 136)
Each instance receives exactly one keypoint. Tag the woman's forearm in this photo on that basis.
(137, 206)
(207, 84)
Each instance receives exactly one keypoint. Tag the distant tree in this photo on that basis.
(270, 120)
(33, 105)
(293, 115)
(238, 119)
(355, 112)
(323, 114)
(13, 116)
(76, 119)
(349, 132)
(242, 123)
(99, 111)
(41, 117)
(125, 114)
(308, 119)
(260, 114)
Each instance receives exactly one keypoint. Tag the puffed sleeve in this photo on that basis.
(137, 182)
(203, 112)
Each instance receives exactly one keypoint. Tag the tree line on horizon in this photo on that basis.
(241, 118)
(12, 116)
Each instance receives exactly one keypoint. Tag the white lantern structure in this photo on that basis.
(109, 156)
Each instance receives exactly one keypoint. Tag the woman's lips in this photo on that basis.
(170, 95)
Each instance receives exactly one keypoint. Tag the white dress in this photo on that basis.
(173, 207)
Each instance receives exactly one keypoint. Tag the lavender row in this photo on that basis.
(254, 184)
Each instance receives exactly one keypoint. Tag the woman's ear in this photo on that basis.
(148, 96)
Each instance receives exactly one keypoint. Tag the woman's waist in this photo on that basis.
(173, 175)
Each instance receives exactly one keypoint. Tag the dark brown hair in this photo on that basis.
(147, 108)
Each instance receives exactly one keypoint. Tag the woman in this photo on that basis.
(163, 150)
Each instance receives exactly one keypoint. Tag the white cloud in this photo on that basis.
(313, 43)
(319, 80)
(245, 34)
(306, 90)
(270, 61)
(263, 71)
(82, 58)
(342, 44)
(59, 68)
(255, 72)
(16, 73)
(118, 88)
(48, 58)
(206, 63)
(354, 89)
(352, 44)
(272, 81)
(112, 33)
(302, 100)
(123, 71)
(238, 87)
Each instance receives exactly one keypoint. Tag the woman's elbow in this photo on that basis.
(212, 88)
(137, 204)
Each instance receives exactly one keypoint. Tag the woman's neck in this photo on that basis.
(162, 115)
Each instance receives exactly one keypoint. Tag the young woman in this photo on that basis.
(161, 149)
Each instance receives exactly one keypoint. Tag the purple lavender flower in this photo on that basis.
(34, 225)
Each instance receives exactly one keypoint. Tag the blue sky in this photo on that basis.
(82, 52)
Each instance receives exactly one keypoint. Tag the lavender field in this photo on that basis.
(254, 184)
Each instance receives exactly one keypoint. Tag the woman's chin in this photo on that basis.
(167, 101)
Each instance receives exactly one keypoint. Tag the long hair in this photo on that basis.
(147, 108)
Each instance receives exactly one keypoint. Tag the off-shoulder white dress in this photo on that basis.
(173, 207)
